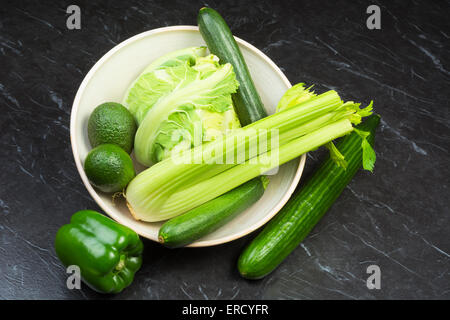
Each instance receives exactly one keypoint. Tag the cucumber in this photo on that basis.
(220, 41)
(198, 222)
(305, 208)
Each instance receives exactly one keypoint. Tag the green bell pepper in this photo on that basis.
(107, 253)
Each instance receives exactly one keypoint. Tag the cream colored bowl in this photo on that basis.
(108, 81)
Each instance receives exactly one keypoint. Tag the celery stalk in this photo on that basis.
(151, 179)
(171, 187)
(211, 188)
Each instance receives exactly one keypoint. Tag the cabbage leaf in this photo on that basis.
(180, 103)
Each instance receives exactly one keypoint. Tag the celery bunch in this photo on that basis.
(304, 122)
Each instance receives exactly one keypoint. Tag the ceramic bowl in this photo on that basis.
(108, 80)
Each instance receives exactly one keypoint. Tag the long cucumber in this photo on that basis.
(305, 208)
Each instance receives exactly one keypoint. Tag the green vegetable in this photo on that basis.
(181, 183)
(139, 97)
(305, 208)
(220, 41)
(181, 103)
(295, 95)
(208, 217)
(107, 253)
(111, 122)
(109, 168)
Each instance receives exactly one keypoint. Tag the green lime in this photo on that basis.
(109, 168)
(112, 123)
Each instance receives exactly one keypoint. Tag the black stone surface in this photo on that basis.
(396, 218)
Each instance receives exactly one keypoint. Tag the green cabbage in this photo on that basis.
(180, 101)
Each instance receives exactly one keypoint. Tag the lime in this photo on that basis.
(112, 123)
(109, 168)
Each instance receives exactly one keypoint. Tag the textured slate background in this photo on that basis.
(397, 218)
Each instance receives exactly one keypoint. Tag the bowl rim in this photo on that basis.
(94, 194)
